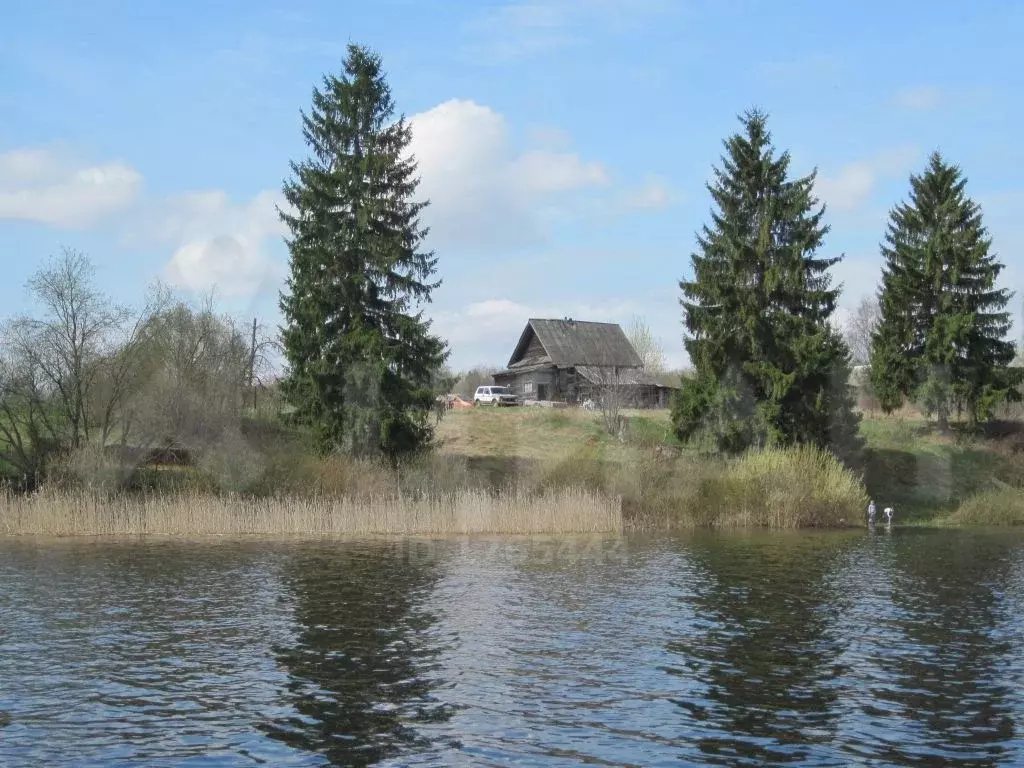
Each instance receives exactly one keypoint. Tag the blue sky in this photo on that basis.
(565, 144)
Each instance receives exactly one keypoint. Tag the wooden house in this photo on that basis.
(571, 361)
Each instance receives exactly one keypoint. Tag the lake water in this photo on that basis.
(825, 649)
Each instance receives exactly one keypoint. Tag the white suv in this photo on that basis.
(494, 396)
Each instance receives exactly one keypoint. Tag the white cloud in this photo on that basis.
(549, 137)
(860, 274)
(848, 189)
(545, 171)
(218, 244)
(525, 28)
(496, 309)
(655, 194)
(51, 188)
(484, 193)
(852, 185)
(920, 98)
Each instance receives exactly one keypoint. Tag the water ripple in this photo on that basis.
(741, 649)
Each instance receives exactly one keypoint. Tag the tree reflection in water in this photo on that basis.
(360, 666)
(762, 648)
(952, 682)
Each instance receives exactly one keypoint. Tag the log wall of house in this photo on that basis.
(526, 384)
(566, 389)
(563, 386)
(548, 379)
(534, 348)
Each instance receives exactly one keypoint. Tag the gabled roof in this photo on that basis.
(576, 342)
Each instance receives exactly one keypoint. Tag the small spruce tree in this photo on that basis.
(942, 336)
(361, 357)
(769, 367)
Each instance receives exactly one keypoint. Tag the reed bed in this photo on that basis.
(778, 488)
(279, 491)
(567, 510)
(799, 487)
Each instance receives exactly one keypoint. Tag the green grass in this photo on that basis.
(909, 465)
(773, 488)
(782, 488)
(924, 475)
(652, 431)
(999, 507)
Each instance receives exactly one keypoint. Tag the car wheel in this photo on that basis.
(496, 402)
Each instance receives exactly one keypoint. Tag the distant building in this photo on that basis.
(571, 361)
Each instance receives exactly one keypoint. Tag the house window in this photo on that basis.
(527, 387)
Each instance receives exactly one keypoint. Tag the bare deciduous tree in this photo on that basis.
(860, 328)
(262, 344)
(80, 373)
(29, 427)
(67, 342)
(646, 346)
(120, 373)
(66, 369)
(613, 389)
(193, 381)
(479, 376)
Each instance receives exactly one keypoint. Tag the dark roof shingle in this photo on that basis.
(577, 342)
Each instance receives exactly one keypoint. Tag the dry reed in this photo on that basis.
(566, 510)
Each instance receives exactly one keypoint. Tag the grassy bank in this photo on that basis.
(576, 494)
(928, 476)
(925, 475)
(1001, 507)
(599, 486)
(529, 470)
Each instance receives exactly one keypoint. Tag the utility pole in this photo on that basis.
(252, 365)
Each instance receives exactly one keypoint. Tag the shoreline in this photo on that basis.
(531, 538)
(524, 459)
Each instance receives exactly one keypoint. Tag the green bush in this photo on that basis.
(800, 487)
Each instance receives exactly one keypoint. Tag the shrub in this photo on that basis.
(801, 487)
(773, 488)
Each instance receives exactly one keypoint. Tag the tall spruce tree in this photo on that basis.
(361, 356)
(942, 337)
(770, 369)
